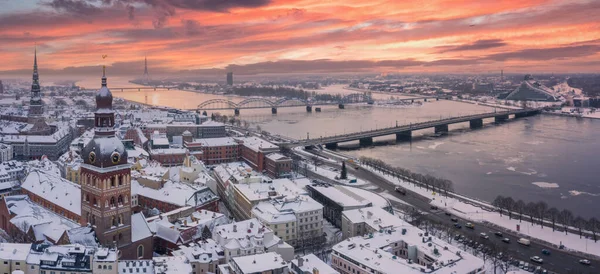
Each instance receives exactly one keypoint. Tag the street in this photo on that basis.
(559, 261)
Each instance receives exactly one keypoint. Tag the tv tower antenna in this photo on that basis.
(146, 77)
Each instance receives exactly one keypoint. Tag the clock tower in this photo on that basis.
(106, 178)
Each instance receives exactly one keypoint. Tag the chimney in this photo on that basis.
(234, 228)
(300, 262)
(369, 214)
(251, 224)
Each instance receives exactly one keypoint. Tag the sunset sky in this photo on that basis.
(300, 36)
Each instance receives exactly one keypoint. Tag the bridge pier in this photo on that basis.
(501, 118)
(318, 109)
(404, 136)
(442, 129)
(367, 141)
(274, 110)
(205, 113)
(331, 146)
(476, 123)
(437, 98)
(425, 99)
(341, 106)
(308, 108)
(236, 111)
(412, 100)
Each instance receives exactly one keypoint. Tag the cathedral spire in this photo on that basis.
(104, 76)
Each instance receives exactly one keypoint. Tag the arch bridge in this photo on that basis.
(261, 102)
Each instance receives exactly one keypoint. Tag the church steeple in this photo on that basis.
(36, 98)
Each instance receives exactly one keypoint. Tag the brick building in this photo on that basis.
(106, 187)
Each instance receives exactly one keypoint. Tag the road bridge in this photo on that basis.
(261, 102)
(404, 132)
(143, 88)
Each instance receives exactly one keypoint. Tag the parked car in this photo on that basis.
(454, 219)
(537, 259)
(483, 235)
(521, 264)
(447, 213)
(506, 240)
(585, 262)
(546, 252)
(470, 225)
(457, 225)
(498, 233)
(434, 207)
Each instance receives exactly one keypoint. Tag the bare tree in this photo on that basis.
(566, 217)
(553, 214)
(593, 225)
(499, 203)
(520, 208)
(531, 209)
(580, 223)
(510, 205)
(541, 208)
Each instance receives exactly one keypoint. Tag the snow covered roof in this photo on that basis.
(276, 156)
(14, 252)
(373, 251)
(216, 142)
(375, 217)
(46, 224)
(342, 196)
(211, 123)
(54, 189)
(172, 265)
(175, 193)
(270, 189)
(260, 263)
(137, 267)
(205, 251)
(258, 144)
(284, 210)
(139, 227)
(311, 262)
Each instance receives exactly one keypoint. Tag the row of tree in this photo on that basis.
(430, 182)
(539, 212)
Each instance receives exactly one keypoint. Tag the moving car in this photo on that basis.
(457, 225)
(483, 235)
(545, 251)
(454, 219)
(524, 241)
(585, 262)
(506, 240)
(470, 225)
(400, 190)
(537, 259)
(498, 233)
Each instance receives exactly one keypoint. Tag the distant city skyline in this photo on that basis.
(299, 36)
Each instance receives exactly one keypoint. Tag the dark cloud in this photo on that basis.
(546, 53)
(192, 27)
(208, 5)
(477, 45)
(130, 12)
(77, 7)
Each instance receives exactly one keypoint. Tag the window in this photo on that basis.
(17, 263)
(99, 267)
(5, 262)
(140, 251)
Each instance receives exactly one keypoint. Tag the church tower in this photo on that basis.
(36, 110)
(106, 178)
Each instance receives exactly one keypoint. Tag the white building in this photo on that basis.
(204, 256)
(6, 152)
(250, 237)
(298, 220)
(262, 263)
(358, 222)
(402, 250)
(172, 265)
(310, 264)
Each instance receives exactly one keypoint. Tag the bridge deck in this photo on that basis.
(404, 128)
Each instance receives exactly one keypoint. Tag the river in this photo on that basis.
(547, 158)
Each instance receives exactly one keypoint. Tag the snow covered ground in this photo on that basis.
(333, 174)
(477, 214)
